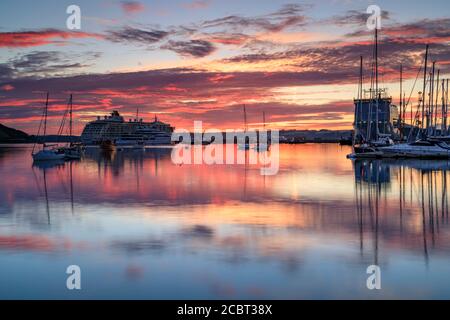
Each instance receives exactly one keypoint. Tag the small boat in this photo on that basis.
(107, 145)
(73, 152)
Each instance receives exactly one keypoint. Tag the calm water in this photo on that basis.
(142, 227)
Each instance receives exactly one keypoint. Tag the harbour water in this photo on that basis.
(141, 227)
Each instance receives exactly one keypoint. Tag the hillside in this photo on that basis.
(12, 135)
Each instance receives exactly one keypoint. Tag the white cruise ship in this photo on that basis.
(115, 129)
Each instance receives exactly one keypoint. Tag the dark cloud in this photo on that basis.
(287, 16)
(227, 38)
(130, 34)
(6, 72)
(192, 48)
(47, 63)
(342, 58)
(356, 17)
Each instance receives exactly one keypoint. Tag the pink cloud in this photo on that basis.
(197, 4)
(174, 88)
(132, 7)
(7, 87)
(39, 38)
(220, 78)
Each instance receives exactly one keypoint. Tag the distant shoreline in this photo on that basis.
(13, 136)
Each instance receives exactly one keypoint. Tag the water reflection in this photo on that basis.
(417, 194)
(168, 231)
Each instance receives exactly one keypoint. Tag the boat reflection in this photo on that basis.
(413, 192)
(321, 214)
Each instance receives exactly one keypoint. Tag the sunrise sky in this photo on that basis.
(203, 59)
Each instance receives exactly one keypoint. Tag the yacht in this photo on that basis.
(48, 152)
(424, 149)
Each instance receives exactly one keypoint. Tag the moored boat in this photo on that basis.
(423, 149)
(47, 153)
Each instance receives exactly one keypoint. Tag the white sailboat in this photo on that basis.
(425, 149)
(71, 151)
(46, 154)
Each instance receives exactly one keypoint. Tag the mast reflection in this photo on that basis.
(416, 189)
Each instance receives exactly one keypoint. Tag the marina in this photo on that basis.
(224, 155)
(380, 127)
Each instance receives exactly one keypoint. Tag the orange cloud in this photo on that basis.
(39, 38)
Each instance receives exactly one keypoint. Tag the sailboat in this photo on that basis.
(426, 144)
(367, 139)
(245, 145)
(262, 146)
(72, 151)
(46, 154)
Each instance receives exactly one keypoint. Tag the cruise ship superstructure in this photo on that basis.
(115, 129)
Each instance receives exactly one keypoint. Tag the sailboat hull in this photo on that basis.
(47, 155)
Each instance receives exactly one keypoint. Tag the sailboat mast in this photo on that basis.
(45, 120)
(436, 102)
(431, 96)
(245, 119)
(401, 102)
(376, 63)
(70, 119)
(424, 85)
(264, 120)
(360, 93)
(446, 107)
(359, 107)
(443, 107)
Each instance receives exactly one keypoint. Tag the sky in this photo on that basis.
(202, 60)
